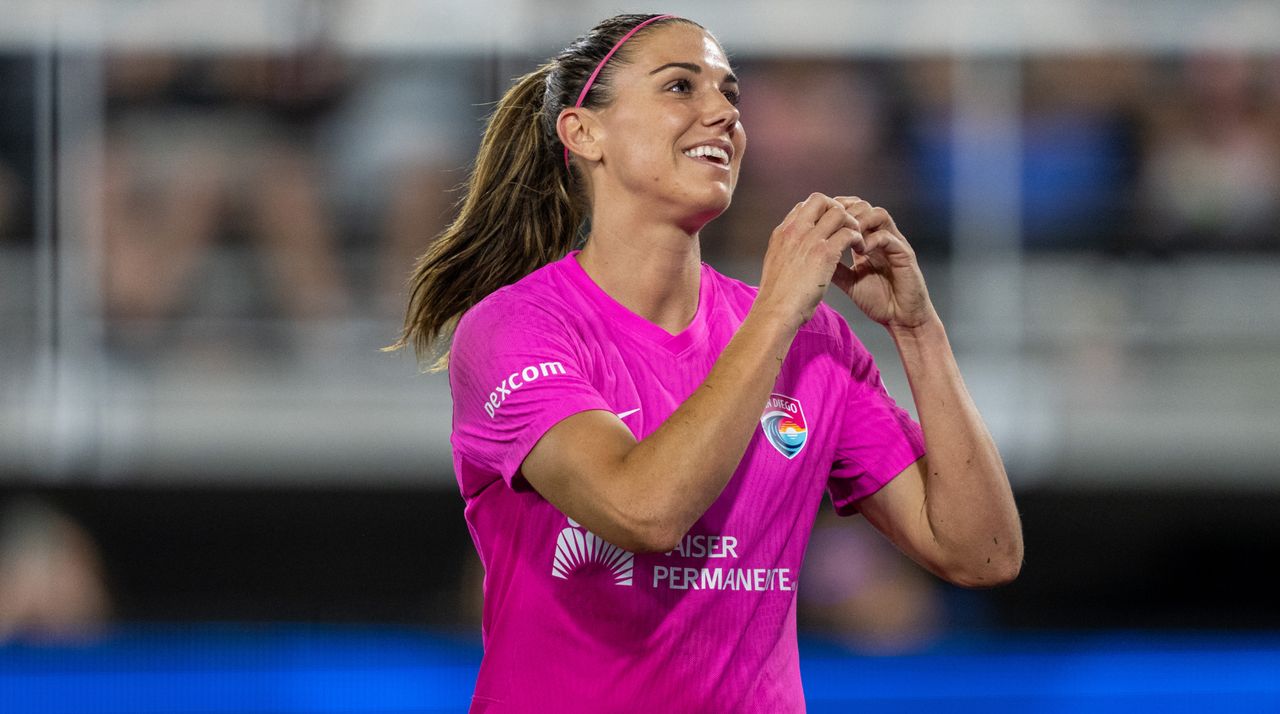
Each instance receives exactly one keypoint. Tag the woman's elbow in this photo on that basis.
(648, 535)
(994, 571)
(652, 525)
(645, 541)
(1004, 573)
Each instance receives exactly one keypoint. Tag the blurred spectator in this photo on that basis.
(202, 150)
(1211, 175)
(857, 588)
(17, 148)
(52, 586)
(929, 93)
(393, 151)
(13, 200)
(1079, 154)
(812, 126)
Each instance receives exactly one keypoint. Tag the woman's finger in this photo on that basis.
(843, 240)
(832, 220)
(871, 217)
(854, 225)
(851, 202)
(885, 242)
(812, 209)
(844, 277)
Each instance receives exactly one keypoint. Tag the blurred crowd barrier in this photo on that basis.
(201, 251)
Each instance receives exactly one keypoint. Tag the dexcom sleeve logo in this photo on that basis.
(518, 379)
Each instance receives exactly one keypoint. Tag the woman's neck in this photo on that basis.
(652, 269)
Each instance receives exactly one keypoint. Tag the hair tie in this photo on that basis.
(591, 80)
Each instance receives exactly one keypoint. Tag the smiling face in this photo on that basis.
(671, 136)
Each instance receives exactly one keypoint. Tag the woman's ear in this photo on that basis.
(580, 132)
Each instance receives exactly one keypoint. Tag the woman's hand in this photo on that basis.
(803, 252)
(885, 281)
(952, 510)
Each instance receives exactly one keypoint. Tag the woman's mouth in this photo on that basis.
(713, 155)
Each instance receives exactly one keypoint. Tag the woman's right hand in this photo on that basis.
(802, 256)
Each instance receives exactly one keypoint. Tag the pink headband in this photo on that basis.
(591, 80)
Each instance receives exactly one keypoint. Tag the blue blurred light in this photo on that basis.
(330, 669)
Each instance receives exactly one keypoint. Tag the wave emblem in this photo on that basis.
(578, 547)
(784, 425)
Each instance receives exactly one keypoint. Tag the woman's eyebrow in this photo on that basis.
(692, 67)
(695, 68)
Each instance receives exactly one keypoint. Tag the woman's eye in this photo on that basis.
(681, 85)
(733, 96)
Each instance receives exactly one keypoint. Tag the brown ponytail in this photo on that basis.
(517, 216)
(523, 208)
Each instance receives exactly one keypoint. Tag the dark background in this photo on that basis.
(1095, 560)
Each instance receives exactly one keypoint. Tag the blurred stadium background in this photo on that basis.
(217, 495)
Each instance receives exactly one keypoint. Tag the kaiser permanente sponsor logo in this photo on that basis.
(579, 549)
(673, 577)
(518, 379)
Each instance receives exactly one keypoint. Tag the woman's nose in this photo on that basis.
(723, 112)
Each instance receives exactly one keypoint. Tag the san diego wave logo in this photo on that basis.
(578, 547)
(784, 425)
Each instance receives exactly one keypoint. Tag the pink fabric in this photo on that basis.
(572, 623)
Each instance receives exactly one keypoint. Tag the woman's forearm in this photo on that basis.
(684, 465)
(968, 501)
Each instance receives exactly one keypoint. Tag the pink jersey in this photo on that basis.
(575, 624)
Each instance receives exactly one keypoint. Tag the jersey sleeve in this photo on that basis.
(515, 371)
(877, 439)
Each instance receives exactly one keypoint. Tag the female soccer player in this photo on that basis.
(642, 443)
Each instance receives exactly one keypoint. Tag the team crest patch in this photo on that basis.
(784, 425)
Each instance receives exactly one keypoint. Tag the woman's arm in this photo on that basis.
(953, 510)
(645, 495)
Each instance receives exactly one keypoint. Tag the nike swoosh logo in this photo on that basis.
(624, 415)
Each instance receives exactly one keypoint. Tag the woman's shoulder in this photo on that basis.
(532, 303)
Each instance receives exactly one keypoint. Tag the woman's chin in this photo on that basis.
(716, 198)
(704, 214)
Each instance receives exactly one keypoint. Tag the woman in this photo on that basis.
(642, 443)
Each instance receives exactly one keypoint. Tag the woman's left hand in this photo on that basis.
(885, 281)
